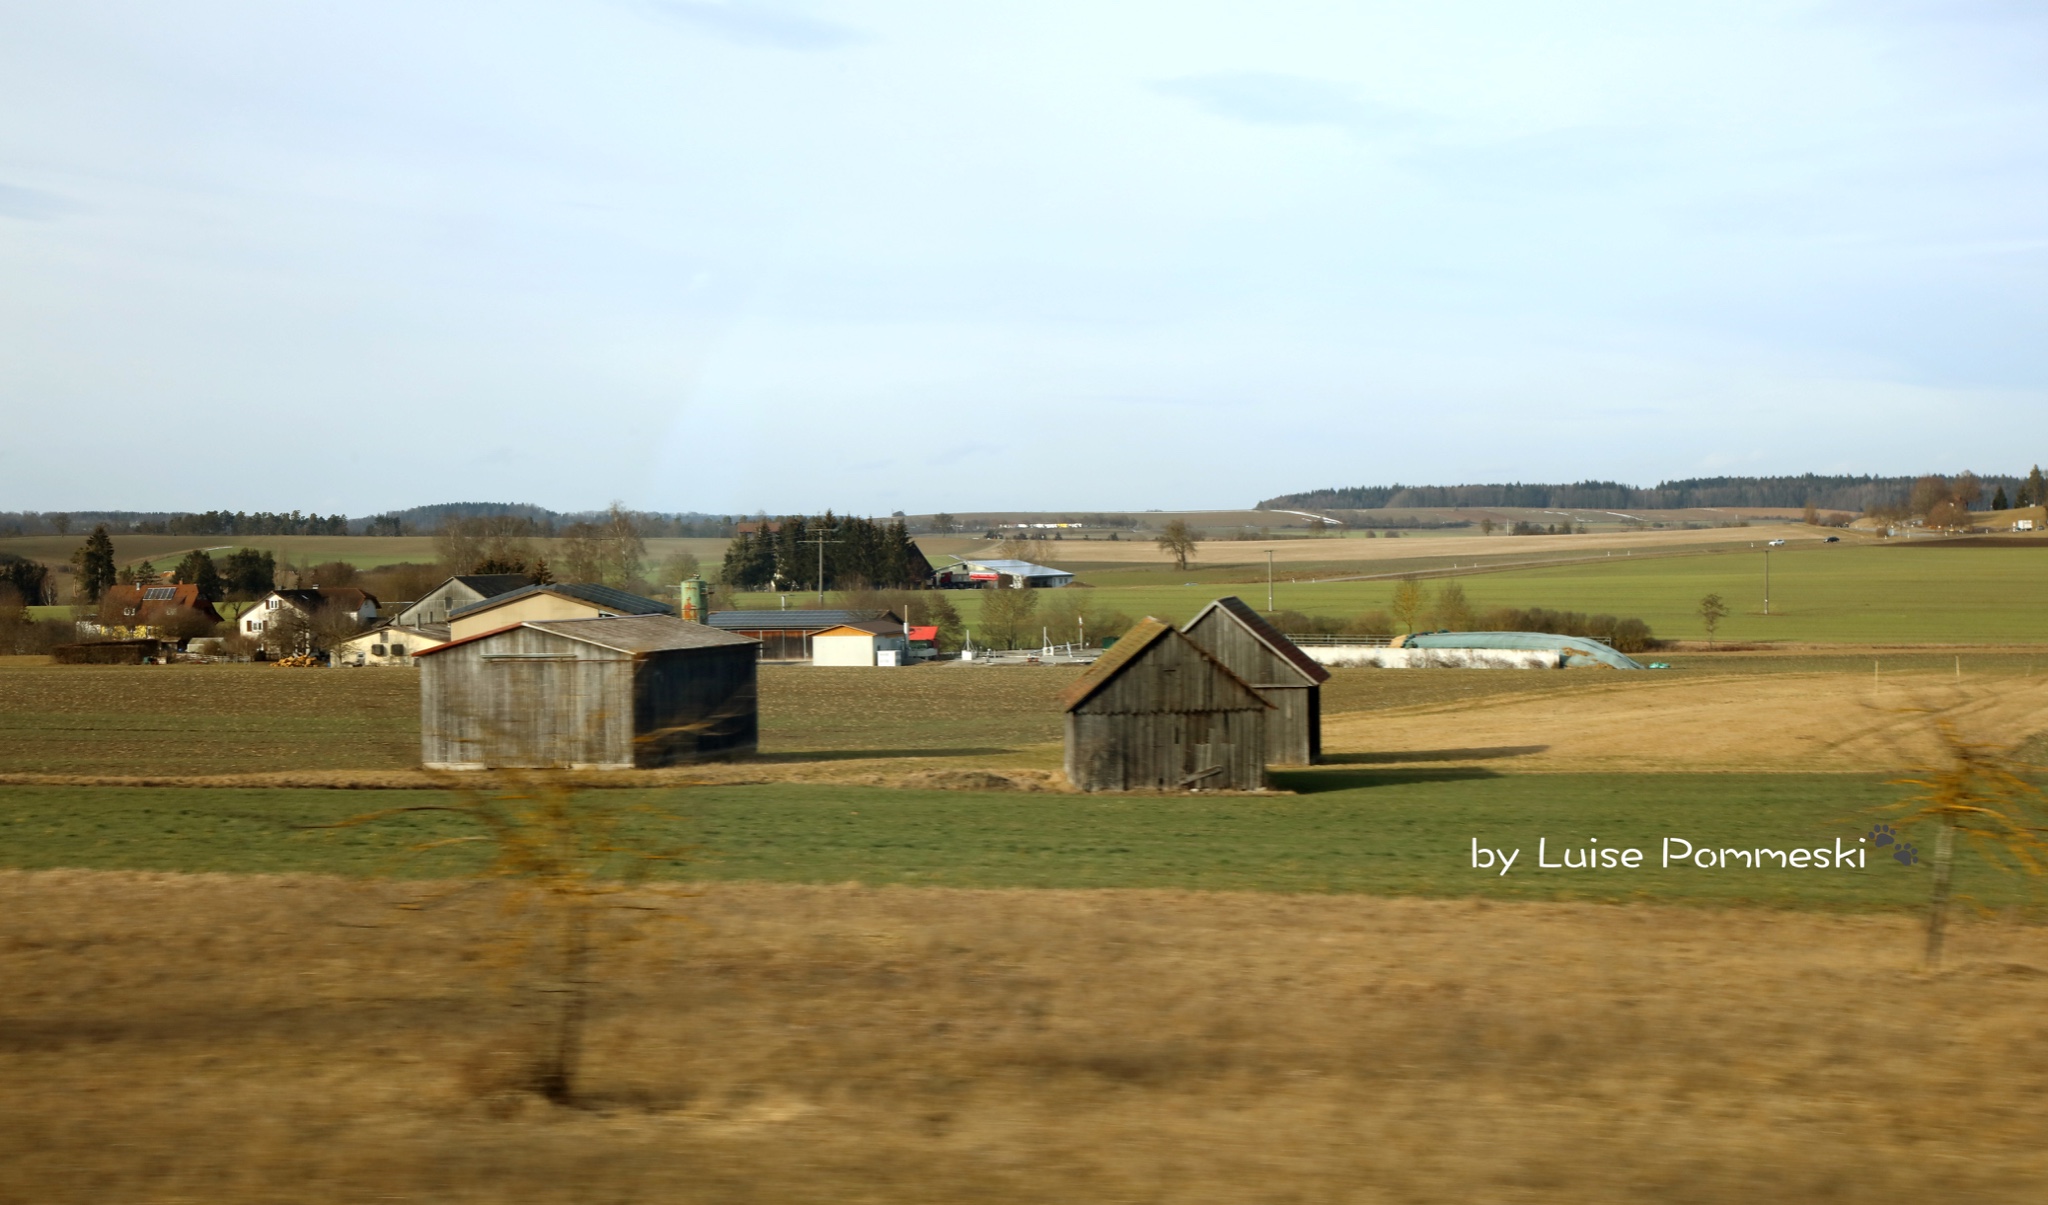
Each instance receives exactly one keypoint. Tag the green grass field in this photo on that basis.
(1348, 830)
(1841, 594)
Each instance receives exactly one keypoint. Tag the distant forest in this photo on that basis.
(418, 520)
(1826, 492)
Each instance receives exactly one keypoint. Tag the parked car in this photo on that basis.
(1832, 540)
(1776, 543)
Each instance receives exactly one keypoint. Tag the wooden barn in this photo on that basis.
(625, 692)
(1274, 666)
(1157, 712)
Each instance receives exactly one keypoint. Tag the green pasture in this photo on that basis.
(1348, 829)
(1826, 593)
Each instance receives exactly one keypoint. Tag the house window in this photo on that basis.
(270, 604)
(398, 650)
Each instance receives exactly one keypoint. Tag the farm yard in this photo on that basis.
(892, 960)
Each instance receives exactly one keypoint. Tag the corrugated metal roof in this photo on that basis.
(791, 621)
(1267, 634)
(1016, 568)
(640, 633)
(1114, 658)
(590, 592)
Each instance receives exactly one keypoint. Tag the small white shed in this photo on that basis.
(871, 643)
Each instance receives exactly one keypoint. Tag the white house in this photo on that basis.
(462, 590)
(389, 644)
(264, 613)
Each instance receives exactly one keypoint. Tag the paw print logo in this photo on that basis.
(1882, 835)
(1905, 855)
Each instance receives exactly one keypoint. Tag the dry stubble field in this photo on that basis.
(216, 1038)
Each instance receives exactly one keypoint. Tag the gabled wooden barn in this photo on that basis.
(1274, 666)
(1156, 712)
(630, 691)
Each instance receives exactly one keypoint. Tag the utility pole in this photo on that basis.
(821, 541)
(1269, 581)
(1767, 579)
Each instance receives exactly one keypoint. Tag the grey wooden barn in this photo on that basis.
(614, 693)
(1156, 712)
(1274, 666)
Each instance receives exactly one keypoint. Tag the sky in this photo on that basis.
(875, 256)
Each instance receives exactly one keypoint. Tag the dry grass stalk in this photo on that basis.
(1980, 790)
(562, 856)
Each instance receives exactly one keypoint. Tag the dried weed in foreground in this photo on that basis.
(1980, 789)
(564, 858)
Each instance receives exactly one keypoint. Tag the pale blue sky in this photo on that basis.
(879, 256)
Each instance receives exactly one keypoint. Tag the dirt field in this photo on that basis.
(1793, 722)
(222, 1039)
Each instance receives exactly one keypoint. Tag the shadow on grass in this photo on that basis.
(1490, 753)
(863, 754)
(1315, 782)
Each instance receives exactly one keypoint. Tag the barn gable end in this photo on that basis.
(1156, 712)
(1256, 651)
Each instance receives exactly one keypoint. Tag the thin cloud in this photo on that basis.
(767, 25)
(35, 205)
(1266, 98)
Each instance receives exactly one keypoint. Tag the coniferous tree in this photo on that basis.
(95, 561)
(198, 569)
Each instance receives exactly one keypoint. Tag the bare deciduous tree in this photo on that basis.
(1712, 611)
(1410, 601)
(1178, 541)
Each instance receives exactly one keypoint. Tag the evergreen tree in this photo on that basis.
(1998, 501)
(95, 562)
(248, 573)
(198, 569)
(2037, 490)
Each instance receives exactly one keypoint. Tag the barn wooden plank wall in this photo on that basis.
(1164, 715)
(1294, 729)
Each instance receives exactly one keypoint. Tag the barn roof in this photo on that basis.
(634, 634)
(490, 585)
(1127, 649)
(1266, 634)
(590, 592)
(792, 621)
(640, 633)
(865, 627)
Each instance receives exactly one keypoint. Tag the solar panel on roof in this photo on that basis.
(155, 593)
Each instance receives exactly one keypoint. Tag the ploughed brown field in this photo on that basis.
(231, 1039)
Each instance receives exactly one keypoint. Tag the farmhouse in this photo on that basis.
(389, 644)
(265, 612)
(633, 691)
(136, 611)
(867, 642)
(786, 635)
(457, 592)
(1157, 712)
(574, 600)
(1273, 665)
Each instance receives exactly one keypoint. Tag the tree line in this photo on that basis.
(1833, 492)
(857, 554)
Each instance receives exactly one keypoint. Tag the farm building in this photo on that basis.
(1157, 712)
(557, 600)
(867, 642)
(136, 612)
(631, 691)
(984, 574)
(1291, 680)
(462, 590)
(389, 644)
(786, 635)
